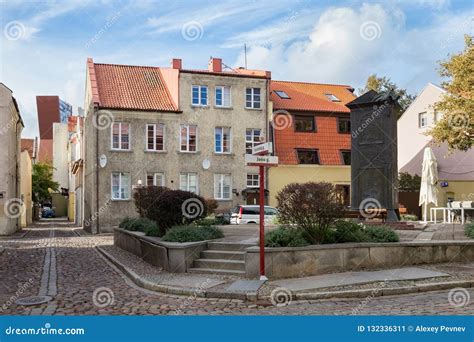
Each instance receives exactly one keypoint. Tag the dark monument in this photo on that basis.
(374, 171)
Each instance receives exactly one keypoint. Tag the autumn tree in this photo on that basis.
(456, 127)
(385, 84)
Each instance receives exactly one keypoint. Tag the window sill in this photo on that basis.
(224, 107)
(189, 152)
(315, 131)
(223, 199)
(121, 200)
(126, 151)
(199, 106)
(153, 151)
(224, 154)
(256, 109)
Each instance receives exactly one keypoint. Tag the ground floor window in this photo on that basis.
(155, 179)
(344, 194)
(222, 186)
(253, 180)
(120, 186)
(189, 182)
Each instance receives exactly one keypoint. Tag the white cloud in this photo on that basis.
(348, 44)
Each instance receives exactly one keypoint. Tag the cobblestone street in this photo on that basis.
(53, 259)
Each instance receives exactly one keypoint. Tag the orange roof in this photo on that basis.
(131, 87)
(311, 96)
(28, 145)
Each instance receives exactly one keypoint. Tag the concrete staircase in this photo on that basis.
(226, 258)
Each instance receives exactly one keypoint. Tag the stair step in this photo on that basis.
(229, 246)
(238, 265)
(216, 271)
(217, 254)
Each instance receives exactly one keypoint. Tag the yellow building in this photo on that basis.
(26, 165)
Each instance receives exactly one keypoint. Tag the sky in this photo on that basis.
(45, 44)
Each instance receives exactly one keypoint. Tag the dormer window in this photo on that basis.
(282, 94)
(332, 97)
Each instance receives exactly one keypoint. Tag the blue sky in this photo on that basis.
(44, 44)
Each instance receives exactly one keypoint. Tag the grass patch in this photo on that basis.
(192, 233)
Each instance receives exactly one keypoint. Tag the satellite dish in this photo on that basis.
(103, 161)
(206, 164)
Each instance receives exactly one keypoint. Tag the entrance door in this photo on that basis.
(253, 198)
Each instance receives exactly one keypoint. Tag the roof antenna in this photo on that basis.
(245, 53)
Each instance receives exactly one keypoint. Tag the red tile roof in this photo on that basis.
(28, 145)
(310, 96)
(131, 87)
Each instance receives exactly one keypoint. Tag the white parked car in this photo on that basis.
(244, 214)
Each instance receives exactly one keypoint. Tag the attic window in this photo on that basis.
(332, 97)
(282, 94)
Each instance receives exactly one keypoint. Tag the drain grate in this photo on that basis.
(33, 300)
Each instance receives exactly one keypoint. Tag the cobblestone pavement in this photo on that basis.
(53, 259)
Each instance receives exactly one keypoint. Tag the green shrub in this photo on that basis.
(409, 217)
(285, 237)
(192, 233)
(349, 231)
(469, 230)
(382, 234)
(207, 222)
(138, 224)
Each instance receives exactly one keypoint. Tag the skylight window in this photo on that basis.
(332, 97)
(282, 94)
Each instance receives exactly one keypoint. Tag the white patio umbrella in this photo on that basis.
(429, 179)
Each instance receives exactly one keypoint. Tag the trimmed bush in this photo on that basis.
(285, 237)
(382, 234)
(211, 205)
(207, 222)
(349, 231)
(138, 224)
(409, 217)
(146, 198)
(192, 233)
(469, 230)
(312, 207)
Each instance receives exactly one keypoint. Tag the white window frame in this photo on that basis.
(188, 174)
(219, 179)
(187, 138)
(423, 117)
(155, 125)
(252, 98)
(155, 174)
(254, 143)
(120, 186)
(120, 136)
(222, 140)
(258, 180)
(200, 87)
(223, 88)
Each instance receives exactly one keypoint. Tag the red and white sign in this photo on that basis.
(265, 148)
(260, 160)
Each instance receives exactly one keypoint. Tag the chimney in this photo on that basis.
(176, 63)
(215, 65)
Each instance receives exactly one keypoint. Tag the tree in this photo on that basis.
(42, 182)
(456, 127)
(407, 182)
(312, 207)
(385, 84)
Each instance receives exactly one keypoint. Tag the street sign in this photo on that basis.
(261, 160)
(265, 148)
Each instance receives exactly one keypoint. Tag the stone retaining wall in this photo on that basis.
(171, 256)
(313, 260)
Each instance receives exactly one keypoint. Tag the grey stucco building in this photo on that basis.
(184, 129)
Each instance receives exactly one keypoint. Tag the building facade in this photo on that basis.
(312, 135)
(27, 159)
(11, 126)
(183, 129)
